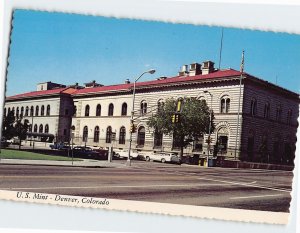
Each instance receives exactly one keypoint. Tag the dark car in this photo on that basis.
(102, 153)
(85, 152)
(59, 146)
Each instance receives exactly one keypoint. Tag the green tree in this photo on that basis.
(186, 124)
(8, 130)
(21, 128)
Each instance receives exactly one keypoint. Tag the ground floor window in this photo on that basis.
(141, 136)
(122, 135)
(158, 136)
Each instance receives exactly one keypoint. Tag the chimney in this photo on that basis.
(195, 69)
(184, 71)
(207, 67)
(127, 81)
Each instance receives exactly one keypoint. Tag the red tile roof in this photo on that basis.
(39, 93)
(177, 79)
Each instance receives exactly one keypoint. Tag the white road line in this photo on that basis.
(118, 186)
(247, 185)
(259, 196)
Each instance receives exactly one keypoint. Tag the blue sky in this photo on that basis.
(70, 48)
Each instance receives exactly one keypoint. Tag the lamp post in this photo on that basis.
(209, 128)
(132, 112)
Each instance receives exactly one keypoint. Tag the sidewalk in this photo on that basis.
(83, 163)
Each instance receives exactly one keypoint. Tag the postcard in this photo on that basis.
(150, 116)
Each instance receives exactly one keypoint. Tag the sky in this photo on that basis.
(69, 48)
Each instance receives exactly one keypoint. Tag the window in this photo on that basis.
(198, 144)
(122, 135)
(96, 134)
(8, 111)
(31, 111)
(4, 111)
(98, 110)
(87, 110)
(160, 105)
(85, 134)
(176, 141)
(111, 110)
(48, 110)
(124, 109)
(35, 128)
(143, 107)
(278, 113)
(289, 117)
(17, 112)
(253, 107)
(267, 111)
(13, 110)
(46, 128)
(41, 128)
(158, 136)
(225, 104)
(22, 112)
(108, 134)
(30, 128)
(26, 111)
(37, 110)
(141, 136)
(42, 110)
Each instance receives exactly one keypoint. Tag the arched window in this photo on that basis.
(30, 128)
(98, 110)
(35, 128)
(42, 110)
(46, 128)
(267, 111)
(85, 134)
(122, 135)
(108, 134)
(96, 134)
(253, 107)
(22, 112)
(143, 107)
(160, 105)
(111, 110)
(13, 110)
(37, 110)
(4, 111)
(48, 110)
(289, 117)
(26, 111)
(41, 128)
(278, 113)
(17, 112)
(225, 104)
(124, 109)
(158, 136)
(31, 111)
(8, 111)
(141, 136)
(87, 110)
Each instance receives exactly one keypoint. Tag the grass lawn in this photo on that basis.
(16, 154)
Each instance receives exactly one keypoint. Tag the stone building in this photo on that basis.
(267, 118)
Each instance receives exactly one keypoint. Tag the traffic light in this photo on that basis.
(179, 105)
(173, 118)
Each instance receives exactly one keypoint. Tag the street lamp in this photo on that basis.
(209, 128)
(132, 112)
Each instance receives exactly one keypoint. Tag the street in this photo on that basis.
(264, 190)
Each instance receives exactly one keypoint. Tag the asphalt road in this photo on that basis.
(155, 182)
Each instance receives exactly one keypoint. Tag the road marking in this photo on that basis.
(118, 186)
(247, 184)
(259, 196)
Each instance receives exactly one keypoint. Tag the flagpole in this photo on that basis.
(221, 48)
(239, 106)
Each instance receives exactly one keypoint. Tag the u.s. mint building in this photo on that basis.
(92, 113)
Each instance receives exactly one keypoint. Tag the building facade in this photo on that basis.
(254, 121)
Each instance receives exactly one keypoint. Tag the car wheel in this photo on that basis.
(163, 160)
(130, 157)
(147, 158)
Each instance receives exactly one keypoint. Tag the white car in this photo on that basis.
(124, 154)
(163, 157)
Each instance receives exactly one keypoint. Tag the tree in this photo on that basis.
(8, 130)
(186, 119)
(21, 128)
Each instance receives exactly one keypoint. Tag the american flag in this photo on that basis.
(242, 62)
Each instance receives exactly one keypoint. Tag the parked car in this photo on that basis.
(85, 152)
(124, 154)
(163, 157)
(59, 146)
(4, 143)
(102, 152)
